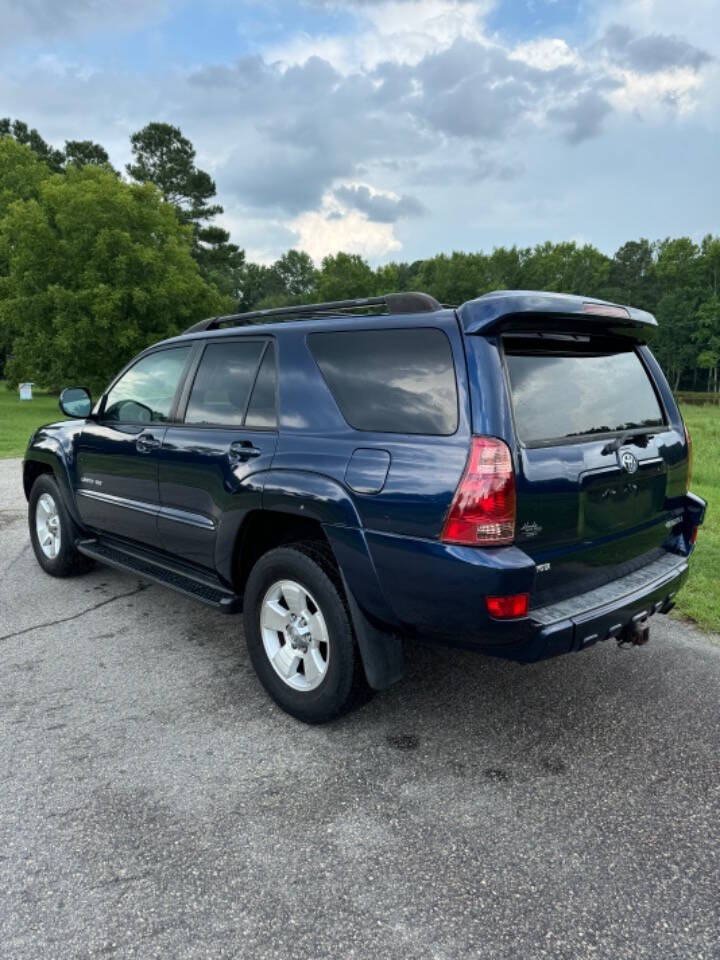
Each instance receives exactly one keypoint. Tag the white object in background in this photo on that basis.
(26, 391)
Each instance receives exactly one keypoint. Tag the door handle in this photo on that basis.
(242, 450)
(146, 443)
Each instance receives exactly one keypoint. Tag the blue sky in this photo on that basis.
(397, 128)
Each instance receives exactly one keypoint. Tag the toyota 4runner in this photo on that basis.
(511, 476)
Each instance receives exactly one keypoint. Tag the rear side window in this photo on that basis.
(261, 412)
(390, 381)
(563, 389)
(220, 393)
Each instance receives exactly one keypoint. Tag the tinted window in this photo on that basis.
(573, 390)
(146, 391)
(223, 382)
(261, 412)
(391, 381)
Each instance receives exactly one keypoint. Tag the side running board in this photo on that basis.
(213, 593)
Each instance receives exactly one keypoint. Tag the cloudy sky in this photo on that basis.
(397, 128)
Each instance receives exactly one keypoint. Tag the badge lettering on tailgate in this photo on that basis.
(531, 528)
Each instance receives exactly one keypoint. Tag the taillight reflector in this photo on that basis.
(483, 509)
(505, 608)
(688, 439)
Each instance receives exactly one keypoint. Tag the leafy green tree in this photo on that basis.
(566, 268)
(221, 262)
(709, 360)
(454, 278)
(398, 277)
(344, 277)
(290, 280)
(58, 277)
(76, 151)
(258, 284)
(710, 253)
(505, 268)
(296, 273)
(679, 265)
(21, 173)
(673, 343)
(707, 333)
(96, 269)
(632, 277)
(83, 152)
(165, 157)
(28, 137)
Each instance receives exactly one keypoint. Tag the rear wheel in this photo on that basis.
(52, 531)
(298, 633)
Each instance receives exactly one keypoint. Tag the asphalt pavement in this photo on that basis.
(154, 803)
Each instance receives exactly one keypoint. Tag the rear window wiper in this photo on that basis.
(641, 439)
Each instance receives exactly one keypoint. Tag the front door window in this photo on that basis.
(145, 393)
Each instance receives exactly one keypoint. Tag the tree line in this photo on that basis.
(96, 264)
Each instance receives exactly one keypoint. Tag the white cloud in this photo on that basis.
(263, 238)
(333, 141)
(336, 227)
(381, 206)
(695, 20)
(644, 92)
(548, 53)
(399, 32)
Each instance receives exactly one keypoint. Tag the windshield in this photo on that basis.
(575, 387)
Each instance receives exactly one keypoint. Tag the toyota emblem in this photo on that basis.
(628, 461)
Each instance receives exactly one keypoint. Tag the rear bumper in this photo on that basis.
(433, 590)
(604, 613)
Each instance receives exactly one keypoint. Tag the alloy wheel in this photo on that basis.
(47, 526)
(295, 635)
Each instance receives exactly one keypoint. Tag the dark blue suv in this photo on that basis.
(510, 476)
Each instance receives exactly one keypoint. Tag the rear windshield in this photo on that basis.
(575, 387)
(390, 381)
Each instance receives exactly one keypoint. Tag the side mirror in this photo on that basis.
(76, 402)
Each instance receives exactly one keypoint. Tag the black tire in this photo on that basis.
(310, 565)
(67, 562)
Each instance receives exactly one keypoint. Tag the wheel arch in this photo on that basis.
(302, 498)
(32, 469)
(304, 506)
(47, 456)
(264, 530)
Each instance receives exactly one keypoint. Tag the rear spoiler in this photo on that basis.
(520, 310)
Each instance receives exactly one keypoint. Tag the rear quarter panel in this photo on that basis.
(423, 471)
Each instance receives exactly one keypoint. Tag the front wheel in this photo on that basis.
(52, 532)
(298, 633)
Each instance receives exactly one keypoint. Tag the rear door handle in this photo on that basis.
(242, 450)
(146, 443)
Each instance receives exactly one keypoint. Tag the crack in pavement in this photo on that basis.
(15, 559)
(52, 623)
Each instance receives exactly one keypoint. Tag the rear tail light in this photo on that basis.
(505, 608)
(688, 440)
(483, 509)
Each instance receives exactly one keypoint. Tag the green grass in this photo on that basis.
(700, 598)
(18, 418)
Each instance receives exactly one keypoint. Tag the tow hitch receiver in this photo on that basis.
(636, 633)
